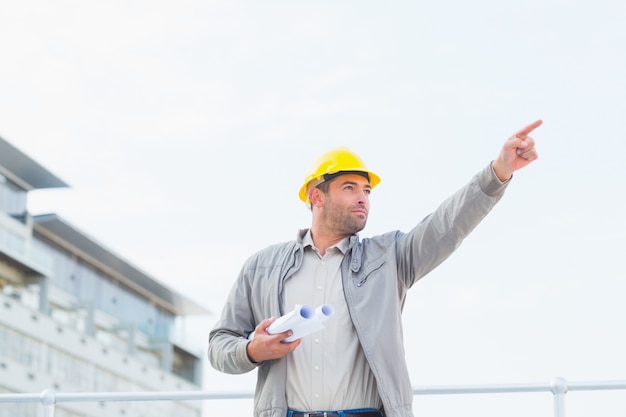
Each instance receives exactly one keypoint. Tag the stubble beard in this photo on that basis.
(343, 221)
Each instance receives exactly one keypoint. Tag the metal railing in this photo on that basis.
(559, 387)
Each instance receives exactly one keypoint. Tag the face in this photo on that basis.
(347, 204)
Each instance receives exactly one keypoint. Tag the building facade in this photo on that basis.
(76, 317)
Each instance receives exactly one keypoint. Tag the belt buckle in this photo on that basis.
(310, 414)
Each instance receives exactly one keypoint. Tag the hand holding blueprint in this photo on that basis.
(302, 320)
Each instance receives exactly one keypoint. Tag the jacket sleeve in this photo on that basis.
(228, 341)
(436, 237)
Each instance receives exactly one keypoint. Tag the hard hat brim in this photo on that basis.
(374, 179)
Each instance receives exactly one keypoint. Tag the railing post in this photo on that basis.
(559, 389)
(48, 400)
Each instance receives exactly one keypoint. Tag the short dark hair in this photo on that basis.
(324, 186)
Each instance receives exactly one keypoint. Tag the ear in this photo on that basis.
(316, 196)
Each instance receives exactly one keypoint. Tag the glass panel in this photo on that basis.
(89, 285)
(12, 199)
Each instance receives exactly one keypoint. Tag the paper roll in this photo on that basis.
(302, 321)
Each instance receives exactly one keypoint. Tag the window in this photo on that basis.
(12, 199)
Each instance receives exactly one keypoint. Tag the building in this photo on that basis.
(76, 317)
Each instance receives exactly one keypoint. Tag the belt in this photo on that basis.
(338, 413)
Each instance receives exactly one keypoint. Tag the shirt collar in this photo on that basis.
(343, 245)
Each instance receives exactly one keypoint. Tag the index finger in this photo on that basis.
(525, 131)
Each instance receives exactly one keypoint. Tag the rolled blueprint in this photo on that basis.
(322, 313)
(300, 314)
(302, 320)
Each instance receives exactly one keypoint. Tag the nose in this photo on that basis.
(363, 197)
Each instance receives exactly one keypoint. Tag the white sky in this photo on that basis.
(185, 128)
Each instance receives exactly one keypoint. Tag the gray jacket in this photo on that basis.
(376, 273)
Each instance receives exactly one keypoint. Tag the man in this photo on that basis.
(355, 366)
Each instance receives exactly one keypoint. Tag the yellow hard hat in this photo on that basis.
(331, 162)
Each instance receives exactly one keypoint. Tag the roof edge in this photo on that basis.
(72, 239)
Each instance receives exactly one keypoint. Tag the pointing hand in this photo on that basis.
(517, 152)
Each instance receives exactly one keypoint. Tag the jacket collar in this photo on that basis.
(355, 248)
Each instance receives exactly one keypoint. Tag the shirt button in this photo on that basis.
(317, 340)
(316, 395)
(317, 368)
(319, 287)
